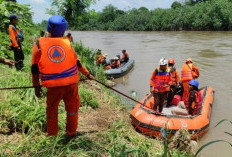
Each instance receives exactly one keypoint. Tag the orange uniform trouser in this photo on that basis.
(69, 94)
(186, 90)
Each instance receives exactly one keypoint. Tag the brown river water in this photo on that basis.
(210, 51)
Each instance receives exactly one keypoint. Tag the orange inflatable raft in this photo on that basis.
(150, 123)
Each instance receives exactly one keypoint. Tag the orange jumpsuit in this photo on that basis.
(59, 85)
(188, 72)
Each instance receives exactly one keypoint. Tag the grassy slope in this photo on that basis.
(104, 123)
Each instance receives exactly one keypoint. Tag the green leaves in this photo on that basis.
(207, 144)
(216, 141)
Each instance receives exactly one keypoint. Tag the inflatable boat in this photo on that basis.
(149, 122)
(122, 70)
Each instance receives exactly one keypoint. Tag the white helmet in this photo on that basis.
(116, 58)
(163, 61)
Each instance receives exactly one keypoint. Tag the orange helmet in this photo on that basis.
(189, 60)
(171, 61)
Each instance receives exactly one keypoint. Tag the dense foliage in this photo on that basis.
(73, 10)
(191, 15)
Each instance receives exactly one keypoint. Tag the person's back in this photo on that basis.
(188, 72)
(57, 64)
(57, 61)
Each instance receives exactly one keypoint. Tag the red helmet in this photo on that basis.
(171, 61)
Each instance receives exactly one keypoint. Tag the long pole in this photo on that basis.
(25, 87)
(118, 92)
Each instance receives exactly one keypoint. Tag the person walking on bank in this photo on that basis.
(193, 102)
(189, 72)
(175, 79)
(57, 64)
(16, 39)
(160, 84)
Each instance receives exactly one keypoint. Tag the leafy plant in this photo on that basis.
(215, 141)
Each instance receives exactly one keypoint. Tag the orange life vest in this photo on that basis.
(57, 65)
(196, 104)
(173, 76)
(161, 79)
(115, 64)
(186, 73)
(99, 59)
(125, 57)
(13, 32)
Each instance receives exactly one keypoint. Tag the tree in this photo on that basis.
(176, 5)
(72, 10)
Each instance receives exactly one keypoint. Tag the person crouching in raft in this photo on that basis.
(54, 60)
(193, 102)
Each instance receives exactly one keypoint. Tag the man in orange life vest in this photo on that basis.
(175, 79)
(160, 84)
(193, 102)
(16, 39)
(125, 56)
(57, 64)
(188, 72)
(115, 63)
(98, 57)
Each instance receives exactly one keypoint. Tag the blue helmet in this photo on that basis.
(194, 83)
(57, 25)
(13, 17)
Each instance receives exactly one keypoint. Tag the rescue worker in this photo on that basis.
(105, 61)
(188, 72)
(70, 38)
(7, 62)
(98, 57)
(125, 56)
(16, 38)
(193, 102)
(116, 63)
(175, 79)
(57, 64)
(160, 84)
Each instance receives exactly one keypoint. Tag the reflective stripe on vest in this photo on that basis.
(67, 73)
(197, 104)
(57, 64)
(186, 73)
(162, 78)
